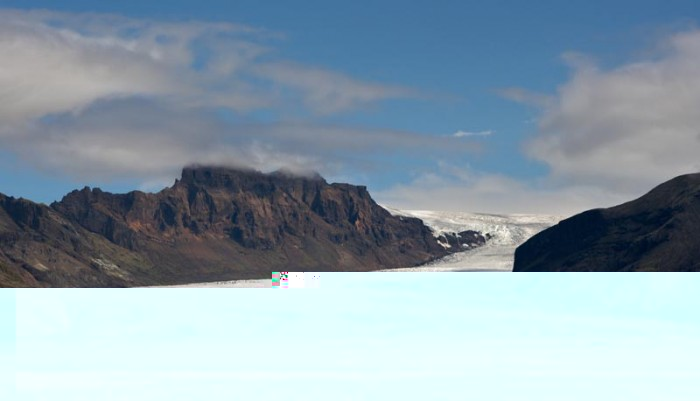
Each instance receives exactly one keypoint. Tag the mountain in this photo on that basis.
(502, 233)
(658, 232)
(213, 224)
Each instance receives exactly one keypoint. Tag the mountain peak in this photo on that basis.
(228, 177)
(216, 223)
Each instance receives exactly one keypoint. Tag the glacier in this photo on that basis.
(507, 232)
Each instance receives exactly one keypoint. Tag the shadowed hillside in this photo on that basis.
(658, 232)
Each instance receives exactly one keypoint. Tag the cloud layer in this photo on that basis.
(57, 62)
(142, 137)
(607, 136)
(106, 96)
(462, 189)
(626, 128)
(463, 134)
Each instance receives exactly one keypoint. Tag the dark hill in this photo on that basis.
(213, 224)
(658, 232)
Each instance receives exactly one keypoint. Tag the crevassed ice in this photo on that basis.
(507, 231)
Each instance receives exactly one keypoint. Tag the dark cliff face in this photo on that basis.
(213, 224)
(40, 247)
(658, 232)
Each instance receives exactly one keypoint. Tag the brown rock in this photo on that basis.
(213, 224)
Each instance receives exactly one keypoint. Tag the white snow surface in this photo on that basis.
(507, 231)
(258, 283)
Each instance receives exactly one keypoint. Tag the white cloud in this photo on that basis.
(608, 136)
(141, 138)
(46, 70)
(103, 96)
(328, 92)
(462, 134)
(57, 62)
(455, 189)
(145, 139)
(627, 128)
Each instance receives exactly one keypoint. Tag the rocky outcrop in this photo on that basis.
(463, 240)
(212, 224)
(38, 246)
(658, 232)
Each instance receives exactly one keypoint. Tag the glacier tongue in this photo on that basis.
(507, 232)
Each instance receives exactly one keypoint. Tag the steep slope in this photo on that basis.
(658, 232)
(213, 224)
(40, 247)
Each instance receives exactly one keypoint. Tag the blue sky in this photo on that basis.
(121, 94)
(366, 336)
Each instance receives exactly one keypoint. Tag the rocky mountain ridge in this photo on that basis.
(214, 223)
(660, 231)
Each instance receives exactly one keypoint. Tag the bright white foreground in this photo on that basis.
(507, 231)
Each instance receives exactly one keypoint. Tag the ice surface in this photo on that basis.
(261, 283)
(507, 232)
